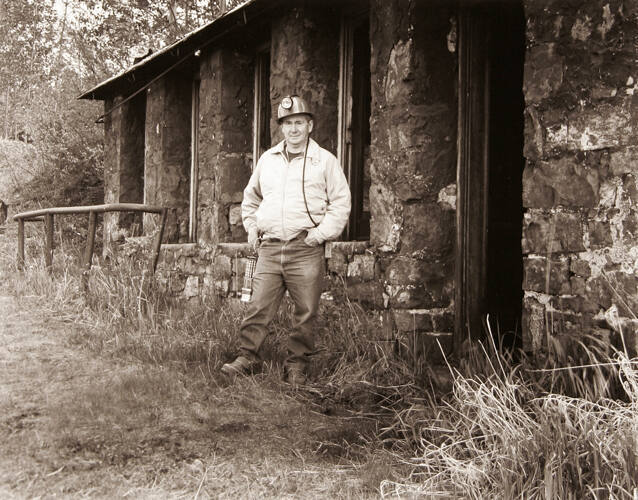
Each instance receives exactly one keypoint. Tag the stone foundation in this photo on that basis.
(194, 273)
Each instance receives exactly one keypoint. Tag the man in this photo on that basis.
(296, 199)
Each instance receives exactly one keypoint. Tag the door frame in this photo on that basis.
(485, 37)
(472, 173)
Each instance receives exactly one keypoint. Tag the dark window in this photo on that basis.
(261, 126)
(354, 151)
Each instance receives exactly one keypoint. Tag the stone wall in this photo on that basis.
(168, 154)
(123, 165)
(199, 272)
(413, 129)
(305, 61)
(405, 273)
(580, 231)
(580, 234)
(225, 141)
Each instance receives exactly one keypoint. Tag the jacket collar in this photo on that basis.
(313, 149)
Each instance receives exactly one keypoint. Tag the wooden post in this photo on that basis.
(6, 114)
(48, 248)
(88, 251)
(158, 240)
(47, 216)
(20, 244)
(90, 241)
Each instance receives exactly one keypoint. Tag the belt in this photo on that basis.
(301, 235)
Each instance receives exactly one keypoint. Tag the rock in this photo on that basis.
(562, 182)
(555, 232)
(544, 72)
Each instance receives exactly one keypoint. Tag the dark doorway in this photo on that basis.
(506, 164)
(491, 162)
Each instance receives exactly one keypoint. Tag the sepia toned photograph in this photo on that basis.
(319, 249)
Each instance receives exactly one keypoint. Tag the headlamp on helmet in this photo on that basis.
(286, 103)
(292, 105)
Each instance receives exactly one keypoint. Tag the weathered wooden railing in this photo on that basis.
(46, 215)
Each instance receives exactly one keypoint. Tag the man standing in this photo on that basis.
(296, 199)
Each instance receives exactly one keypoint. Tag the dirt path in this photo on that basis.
(74, 425)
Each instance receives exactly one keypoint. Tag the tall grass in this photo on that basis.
(57, 289)
(139, 319)
(560, 426)
(130, 314)
(502, 434)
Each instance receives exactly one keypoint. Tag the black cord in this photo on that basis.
(303, 182)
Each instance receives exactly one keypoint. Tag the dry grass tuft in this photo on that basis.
(501, 434)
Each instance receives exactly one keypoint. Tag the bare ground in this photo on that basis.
(74, 424)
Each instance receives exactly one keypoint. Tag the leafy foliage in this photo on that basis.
(110, 33)
(52, 51)
(27, 38)
(18, 162)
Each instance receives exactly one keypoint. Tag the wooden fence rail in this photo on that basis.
(47, 214)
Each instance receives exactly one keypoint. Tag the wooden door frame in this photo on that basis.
(472, 174)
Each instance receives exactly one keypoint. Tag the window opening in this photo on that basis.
(354, 120)
(194, 185)
(261, 121)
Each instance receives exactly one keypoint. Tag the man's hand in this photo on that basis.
(314, 238)
(253, 239)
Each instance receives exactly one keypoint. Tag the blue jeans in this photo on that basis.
(298, 268)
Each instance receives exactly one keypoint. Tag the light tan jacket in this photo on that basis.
(273, 200)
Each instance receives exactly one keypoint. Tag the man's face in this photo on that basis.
(296, 130)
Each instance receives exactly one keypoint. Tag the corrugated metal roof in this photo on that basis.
(144, 71)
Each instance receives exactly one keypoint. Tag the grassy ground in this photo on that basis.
(108, 390)
(93, 407)
(76, 425)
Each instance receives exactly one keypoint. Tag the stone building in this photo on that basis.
(491, 148)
